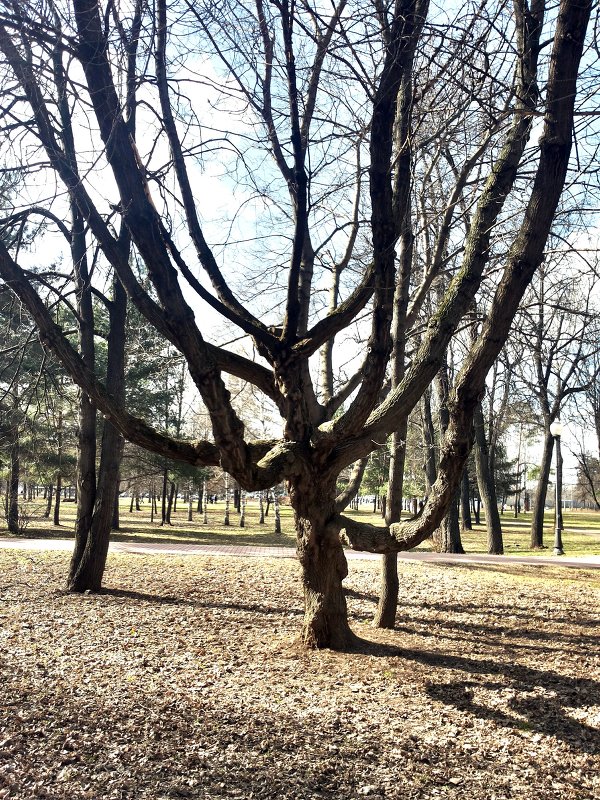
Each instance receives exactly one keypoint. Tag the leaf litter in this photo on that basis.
(184, 679)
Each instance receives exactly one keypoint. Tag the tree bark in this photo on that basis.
(170, 503)
(116, 517)
(58, 499)
(539, 503)
(465, 502)
(429, 466)
(49, 496)
(12, 516)
(487, 486)
(91, 549)
(323, 562)
(163, 499)
(385, 616)
(447, 537)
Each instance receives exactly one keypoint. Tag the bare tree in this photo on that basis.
(316, 97)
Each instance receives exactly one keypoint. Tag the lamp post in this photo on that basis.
(556, 429)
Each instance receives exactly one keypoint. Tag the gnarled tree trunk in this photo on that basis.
(324, 565)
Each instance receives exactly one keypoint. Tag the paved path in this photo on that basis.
(583, 562)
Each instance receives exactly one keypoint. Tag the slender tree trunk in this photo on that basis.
(277, 514)
(91, 548)
(537, 519)
(429, 466)
(88, 573)
(170, 503)
(165, 484)
(58, 499)
(465, 502)
(226, 519)
(116, 518)
(242, 509)
(190, 514)
(477, 510)
(385, 616)
(559, 482)
(261, 505)
(447, 537)
(487, 486)
(49, 496)
(12, 517)
(205, 501)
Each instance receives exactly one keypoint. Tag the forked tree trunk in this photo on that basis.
(96, 500)
(537, 520)
(88, 563)
(324, 565)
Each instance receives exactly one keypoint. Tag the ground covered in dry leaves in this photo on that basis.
(184, 681)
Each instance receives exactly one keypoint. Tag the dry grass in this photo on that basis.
(183, 680)
(581, 536)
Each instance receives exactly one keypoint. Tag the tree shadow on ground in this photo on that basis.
(547, 694)
(157, 599)
(516, 638)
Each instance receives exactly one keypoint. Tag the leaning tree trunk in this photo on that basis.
(487, 487)
(537, 519)
(323, 562)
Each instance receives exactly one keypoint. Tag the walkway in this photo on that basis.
(583, 562)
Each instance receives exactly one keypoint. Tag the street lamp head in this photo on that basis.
(556, 428)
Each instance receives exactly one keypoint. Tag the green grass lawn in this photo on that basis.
(581, 535)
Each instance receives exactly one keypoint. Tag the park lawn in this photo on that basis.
(581, 535)
(184, 680)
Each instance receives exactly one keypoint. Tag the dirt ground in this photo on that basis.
(184, 680)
